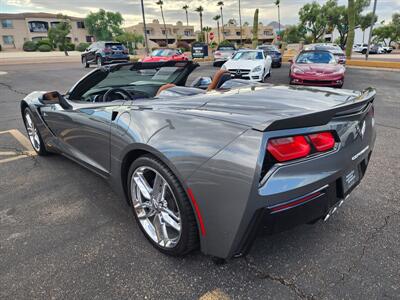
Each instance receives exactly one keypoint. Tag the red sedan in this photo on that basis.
(318, 68)
(165, 55)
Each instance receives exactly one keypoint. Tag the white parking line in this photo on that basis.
(17, 155)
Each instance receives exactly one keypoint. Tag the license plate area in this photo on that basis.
(348, 181)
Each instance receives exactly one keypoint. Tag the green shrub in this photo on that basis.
(29, 46)
(44, 48)
(44, 42)
(68, 46)
(82, 47)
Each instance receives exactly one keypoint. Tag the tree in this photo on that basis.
(104, 25)
(221, 4)
(200, 10)
(293, 34)
(130, 39)
(255, 29)
(277, 3)
(389, 32)
(185, 8)
(352, 24)
(207, 30)
(365, 22)
(161, 3)
(217, 18)
(58, 34)
(313, 19)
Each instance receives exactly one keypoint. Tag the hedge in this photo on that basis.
(44, 42)
(29, 46)
(44, 48)
(82, 47)
(69, 47)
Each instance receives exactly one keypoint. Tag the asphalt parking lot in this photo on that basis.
(64, 233)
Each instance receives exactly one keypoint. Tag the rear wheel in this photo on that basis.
(33, 133)
(84, 62)
(161, 207)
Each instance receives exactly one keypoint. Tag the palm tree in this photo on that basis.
(200, 10)
(161, 3)
(207, 30)
(216, 18)
(240, 24)
(277, 3)
(185, 8)
(220, 4)
(146, 45)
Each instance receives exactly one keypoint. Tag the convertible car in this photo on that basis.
(208, 167)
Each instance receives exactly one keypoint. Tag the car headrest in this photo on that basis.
(165, 87)
(220, 75)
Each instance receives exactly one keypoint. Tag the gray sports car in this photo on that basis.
(209, 168)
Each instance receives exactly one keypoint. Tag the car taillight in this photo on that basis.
(295, 147)
(322, 141)
(289, 148)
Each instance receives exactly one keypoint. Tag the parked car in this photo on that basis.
(222, 54)
(386, 49)
(101, 53)
(374, 49)
(274, 52)
(253, 65)
(316, 67)
(165, 54)
(333, 48)
(211, 169)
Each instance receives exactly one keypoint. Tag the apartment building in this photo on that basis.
(156, 32)
(231, 32)
(15, 29)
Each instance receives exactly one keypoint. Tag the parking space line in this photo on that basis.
(15, 133)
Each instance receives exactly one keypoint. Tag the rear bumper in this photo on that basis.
(115, 59)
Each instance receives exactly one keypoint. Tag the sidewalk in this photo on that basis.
(16, 58)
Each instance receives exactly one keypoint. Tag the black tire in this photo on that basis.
(189, 238)
(364, 51)
(84, 62)
(40, 149)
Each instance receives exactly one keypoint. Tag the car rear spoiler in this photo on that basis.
(321, 117)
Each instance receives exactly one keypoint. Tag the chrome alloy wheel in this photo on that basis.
(156, 207)
(32, 132)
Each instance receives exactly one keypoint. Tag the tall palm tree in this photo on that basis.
(240, 24)
(185, 8)
(220, 4)
(217, 18)
(277, 3)
(161, 3)
(146, 44)
(207, 30)
(200, 10)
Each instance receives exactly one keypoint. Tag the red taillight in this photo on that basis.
(288, 148)
(322, 141)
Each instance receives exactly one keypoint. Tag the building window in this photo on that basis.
(267, 32)
(163, 31)
(89, 39)
(54, 24)
(6, 23)
(8, 40)
(80, 24)
(187, 33)
(148, 31)
(38, 26)
(238, 33)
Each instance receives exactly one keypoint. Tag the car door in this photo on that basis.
(91, 54)
(83, 131)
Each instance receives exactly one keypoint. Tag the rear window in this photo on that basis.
(163, 52)
(115, 46)
(226, 48)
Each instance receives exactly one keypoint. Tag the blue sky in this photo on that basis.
(130, 9)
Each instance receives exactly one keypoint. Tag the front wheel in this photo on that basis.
(161, 207)
(33, 133)
(85, 62)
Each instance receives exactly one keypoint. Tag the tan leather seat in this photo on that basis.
(165, 87)
(216, 79)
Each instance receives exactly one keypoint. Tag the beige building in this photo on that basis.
(156, 32)
(231, 33)
(15, 29)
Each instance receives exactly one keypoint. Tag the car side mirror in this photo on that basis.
(201, 82)
(290, 60)
(54, 98)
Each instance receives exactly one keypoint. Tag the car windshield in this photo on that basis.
(315, 57)
(248, 55)
(163, 52)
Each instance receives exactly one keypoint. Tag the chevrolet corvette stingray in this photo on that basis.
(209, 168)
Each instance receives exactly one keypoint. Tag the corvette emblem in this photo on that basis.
(238, 72)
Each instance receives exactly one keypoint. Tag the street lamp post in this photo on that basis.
(370, 30)
(146, 45)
